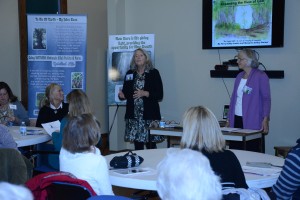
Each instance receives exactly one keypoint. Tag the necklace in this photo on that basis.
(245, 76)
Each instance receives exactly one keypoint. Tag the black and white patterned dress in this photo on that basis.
(137, 128)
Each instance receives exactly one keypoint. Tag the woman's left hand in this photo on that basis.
(140, 93)
(12, 119)
(265, 125)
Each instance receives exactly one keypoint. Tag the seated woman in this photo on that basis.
(175, 182)
(12, 112)
(6, 139)
(79, 155)
(288, 183)
(53, 107)
(201, 132)
(78, 104)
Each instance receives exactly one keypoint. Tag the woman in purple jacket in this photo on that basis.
(250, 103)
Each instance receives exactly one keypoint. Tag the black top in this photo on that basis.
(226, 165)
(47, 114)
(153, 84)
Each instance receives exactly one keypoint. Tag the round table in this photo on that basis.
(35, 135)
(147, 181)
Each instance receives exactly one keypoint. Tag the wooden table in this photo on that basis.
(243, 135)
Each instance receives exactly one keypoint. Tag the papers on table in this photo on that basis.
(52, 127)
(34, 131)
(229, 129)
(239, 130)
(133, 171)
(262, 171)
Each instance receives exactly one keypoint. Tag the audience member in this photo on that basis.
(6, 139)
(12, 112)
(78, 104)
(10, 191)
(288, 183)
(52, 107)
(186, 174)
(201, 132)
(79, 155)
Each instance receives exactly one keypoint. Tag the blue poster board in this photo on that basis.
(56, 54)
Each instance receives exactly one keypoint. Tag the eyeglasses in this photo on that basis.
(240, 59)
(3, 94)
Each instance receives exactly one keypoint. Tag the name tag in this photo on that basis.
(13, 107)
(247, 90)
(129, 77)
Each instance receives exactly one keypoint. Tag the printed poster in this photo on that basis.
(56, 54)
(120, 52)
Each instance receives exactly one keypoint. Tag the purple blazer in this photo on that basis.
(256, 103)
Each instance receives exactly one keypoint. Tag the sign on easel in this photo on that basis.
(120, 52)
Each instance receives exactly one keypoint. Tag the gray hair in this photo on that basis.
(187, 174)
(148, 63)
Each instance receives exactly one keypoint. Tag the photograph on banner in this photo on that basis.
(56, 54)
(119, 55)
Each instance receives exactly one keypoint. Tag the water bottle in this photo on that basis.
(23, 128)
(162, 123)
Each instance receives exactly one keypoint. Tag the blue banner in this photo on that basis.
(56, 54)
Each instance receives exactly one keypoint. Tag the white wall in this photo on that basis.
(185, 67)
(9, 47)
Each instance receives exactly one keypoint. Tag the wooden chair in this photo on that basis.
(282, 151)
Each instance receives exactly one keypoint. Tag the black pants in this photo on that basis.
(140, 145)
(252, 145)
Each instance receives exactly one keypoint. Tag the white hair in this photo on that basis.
(187, 174)
(10, 191)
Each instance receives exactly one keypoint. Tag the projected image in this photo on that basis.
(39, 39)
(120, 65)
(242, 23)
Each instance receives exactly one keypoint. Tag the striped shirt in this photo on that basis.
(288, 183)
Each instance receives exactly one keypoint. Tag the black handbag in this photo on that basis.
(128, 160)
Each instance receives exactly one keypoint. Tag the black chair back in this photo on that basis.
(63, 191)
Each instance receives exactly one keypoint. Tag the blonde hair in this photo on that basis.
(48, 94)
(201, 130)
(78, 103)
(148, 62)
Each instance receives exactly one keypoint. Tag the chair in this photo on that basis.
(59, 185)
(45, 159)
(108, 197)
(63, 190)
(46, 156)
(14, 167)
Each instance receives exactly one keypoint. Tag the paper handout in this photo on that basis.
(51, 127)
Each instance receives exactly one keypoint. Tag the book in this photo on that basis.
(34, 132)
